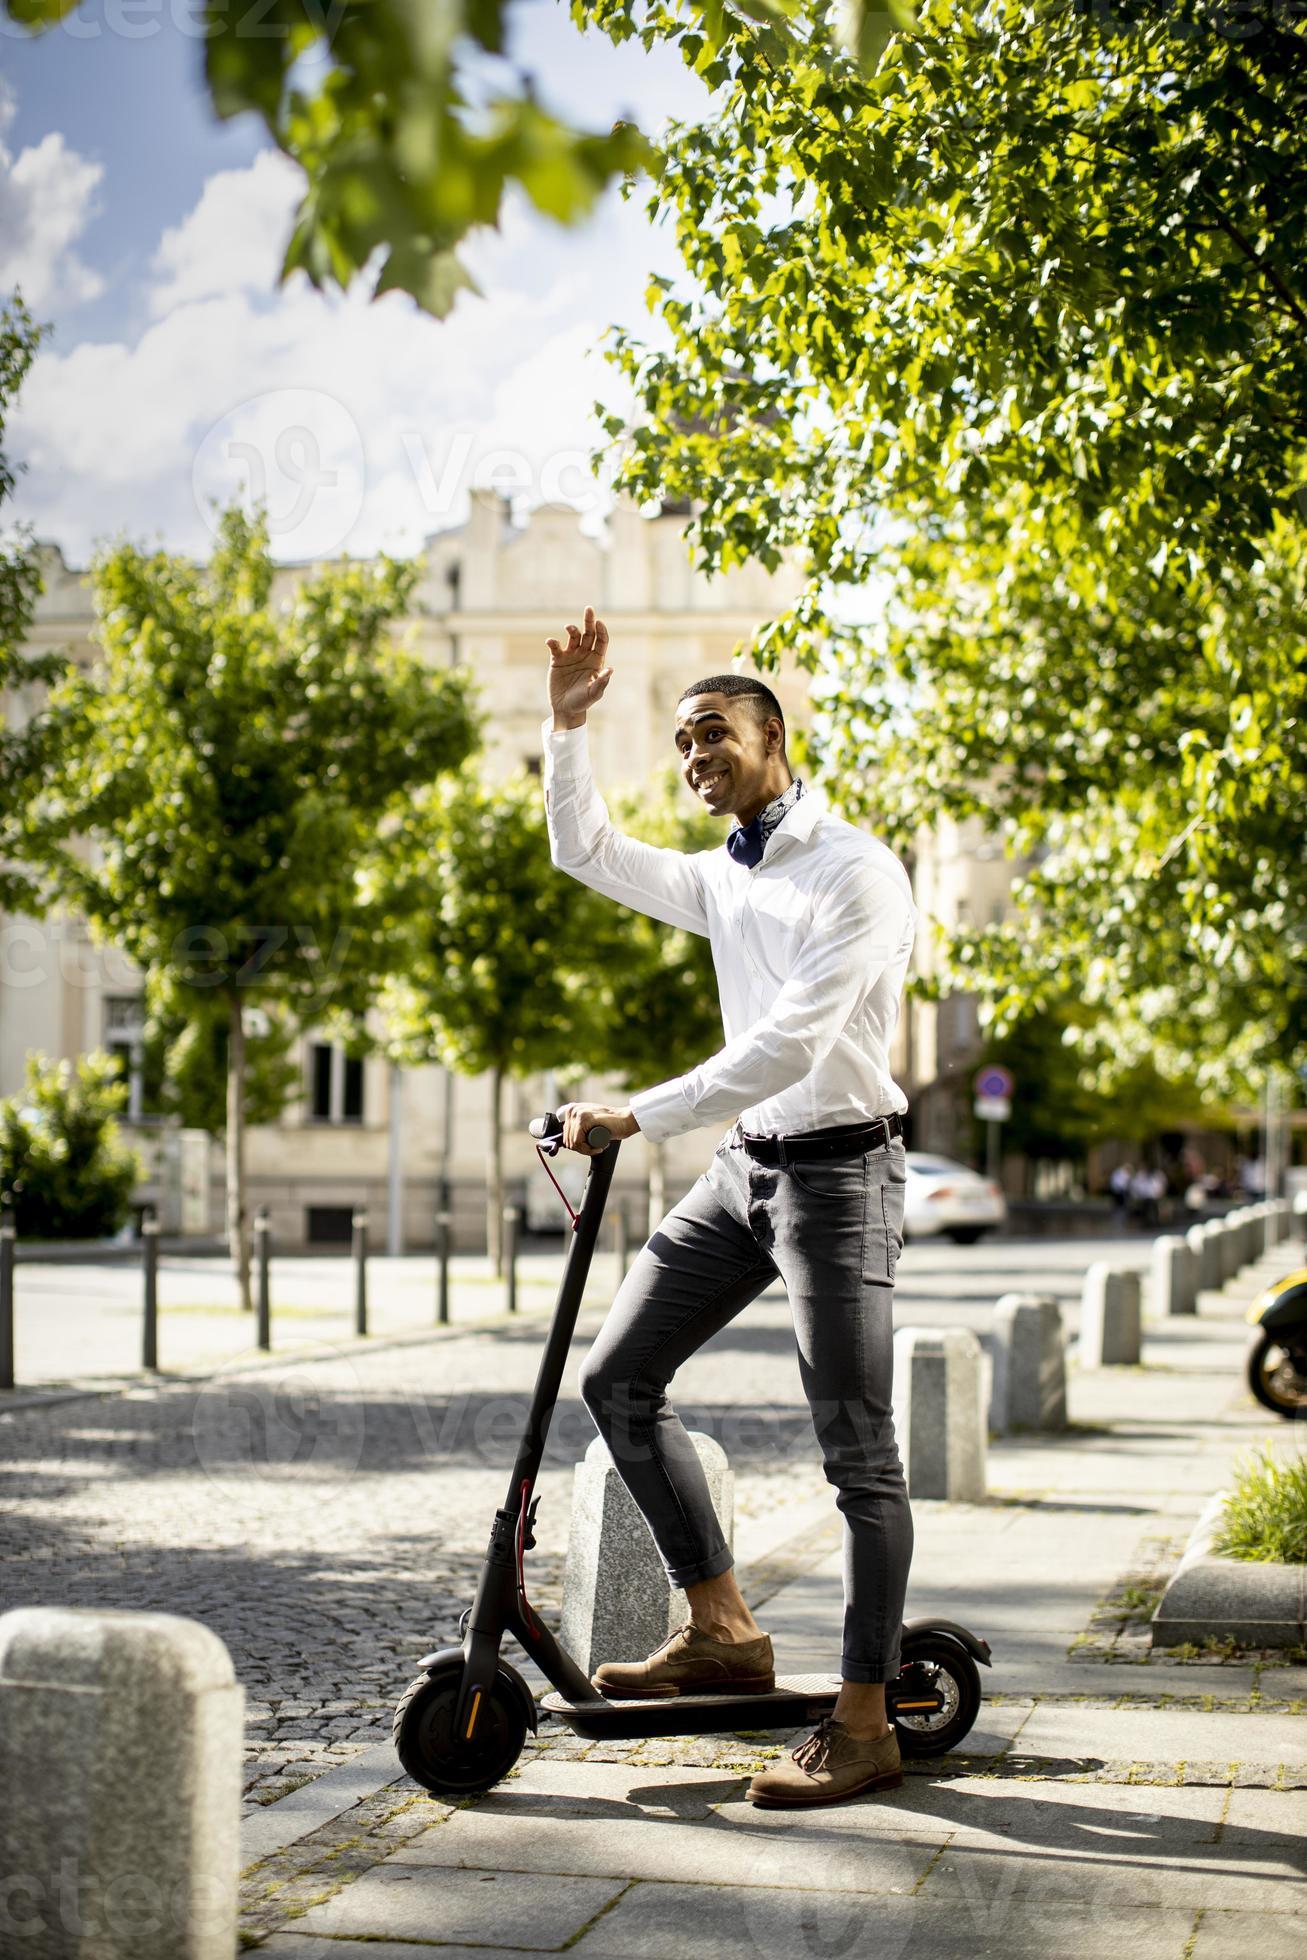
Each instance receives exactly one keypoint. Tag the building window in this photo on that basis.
(534, 764)
(336, 1084)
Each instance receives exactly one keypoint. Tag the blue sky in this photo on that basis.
(149, 235)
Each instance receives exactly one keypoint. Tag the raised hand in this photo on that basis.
(577, 671)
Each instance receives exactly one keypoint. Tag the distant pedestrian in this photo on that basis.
(1119, 1185)
(1143, 1205)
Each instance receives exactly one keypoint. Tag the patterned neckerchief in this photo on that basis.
(747, 842)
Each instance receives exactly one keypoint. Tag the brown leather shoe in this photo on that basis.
(828, 1766)
(691, 1662)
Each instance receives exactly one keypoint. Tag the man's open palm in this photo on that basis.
(577, 673)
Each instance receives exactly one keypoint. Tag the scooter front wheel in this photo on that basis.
(942, 1671)
(1277, 1377)
(450, 1765)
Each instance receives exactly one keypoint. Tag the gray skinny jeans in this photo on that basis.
(832, 1231)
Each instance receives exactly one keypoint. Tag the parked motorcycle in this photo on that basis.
(1277, 1360)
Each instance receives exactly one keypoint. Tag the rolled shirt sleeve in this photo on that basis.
(584, 842)
(857, 931)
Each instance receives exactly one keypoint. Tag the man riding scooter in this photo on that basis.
(811, 922)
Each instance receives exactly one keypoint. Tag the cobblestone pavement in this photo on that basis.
(328, 1519)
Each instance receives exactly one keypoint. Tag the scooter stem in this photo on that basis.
(562, 1327)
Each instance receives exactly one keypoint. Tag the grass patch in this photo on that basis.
(1265, 1516)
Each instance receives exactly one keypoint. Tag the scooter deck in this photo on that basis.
(795, 1700)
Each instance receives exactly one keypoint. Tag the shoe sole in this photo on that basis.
(758, 1684)
(890, 1780)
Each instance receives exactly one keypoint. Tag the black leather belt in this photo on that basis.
(844, 1140)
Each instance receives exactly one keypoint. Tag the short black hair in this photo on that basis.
(767, 704)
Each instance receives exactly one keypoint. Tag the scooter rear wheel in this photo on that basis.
(945, 1667)
(1276, 1377)
(446, 1764)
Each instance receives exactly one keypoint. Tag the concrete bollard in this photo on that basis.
(1028, 1389)
(1229, 1244)
(1109, 1318)
(617, 1602)
(938, 1417)
(1202, 1240)
(120, 1785)
(1174, 1288)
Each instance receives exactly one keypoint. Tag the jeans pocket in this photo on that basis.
(837, 1178)
(886, 1192)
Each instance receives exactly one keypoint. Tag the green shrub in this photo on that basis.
(1265, 1514)
(63, 1167)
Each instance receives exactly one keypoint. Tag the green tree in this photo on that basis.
(1011, 334)
(1058, 1114)
(187, 1044)
(27, 746)
(236, 766)
(399, 113)
(503, 976)
(63, 1166)
(660, 1014)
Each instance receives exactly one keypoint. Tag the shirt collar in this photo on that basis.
(794, 813)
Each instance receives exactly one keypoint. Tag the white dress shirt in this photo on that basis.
(811, 947)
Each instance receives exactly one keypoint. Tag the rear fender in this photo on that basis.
(974, 1645)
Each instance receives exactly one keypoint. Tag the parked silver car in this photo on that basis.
(945, 1198)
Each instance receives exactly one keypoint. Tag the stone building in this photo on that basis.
(489, 595)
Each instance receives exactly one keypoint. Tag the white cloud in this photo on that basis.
(235, 238)
(47, 195)
(363, 423)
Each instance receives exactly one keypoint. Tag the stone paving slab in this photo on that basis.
(266, 1828)
(513, 1908)
(620, 1821)
(1266, 1817)
(656, 1922)
(1163, 1734)
(1223, 1935)
(312, 1946)
(1012, 1886)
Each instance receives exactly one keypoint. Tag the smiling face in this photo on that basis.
(734, 763)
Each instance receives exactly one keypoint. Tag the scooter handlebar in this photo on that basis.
(549, 1129)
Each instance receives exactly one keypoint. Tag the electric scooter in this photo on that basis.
(462, 1722)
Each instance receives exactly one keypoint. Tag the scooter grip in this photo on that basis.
(598, 1136)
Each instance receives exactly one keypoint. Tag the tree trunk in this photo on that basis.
(657, 1186)
(238, 1242)
(495, 1174)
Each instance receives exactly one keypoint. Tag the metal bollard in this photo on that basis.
(8, 1247)
(150, 1259)
(511, 1216)
(444, 1220)
(359, 1249)
(262, 1236)
(621, 1241)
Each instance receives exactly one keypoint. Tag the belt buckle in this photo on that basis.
(780, 1153)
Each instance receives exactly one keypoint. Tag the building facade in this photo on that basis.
(360, 1132)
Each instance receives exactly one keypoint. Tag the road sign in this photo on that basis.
(993, 1109)
(993, 1080)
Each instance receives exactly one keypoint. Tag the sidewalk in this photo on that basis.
(79, 1326)
(1107, 1795)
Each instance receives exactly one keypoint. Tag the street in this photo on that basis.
(326, 1515)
